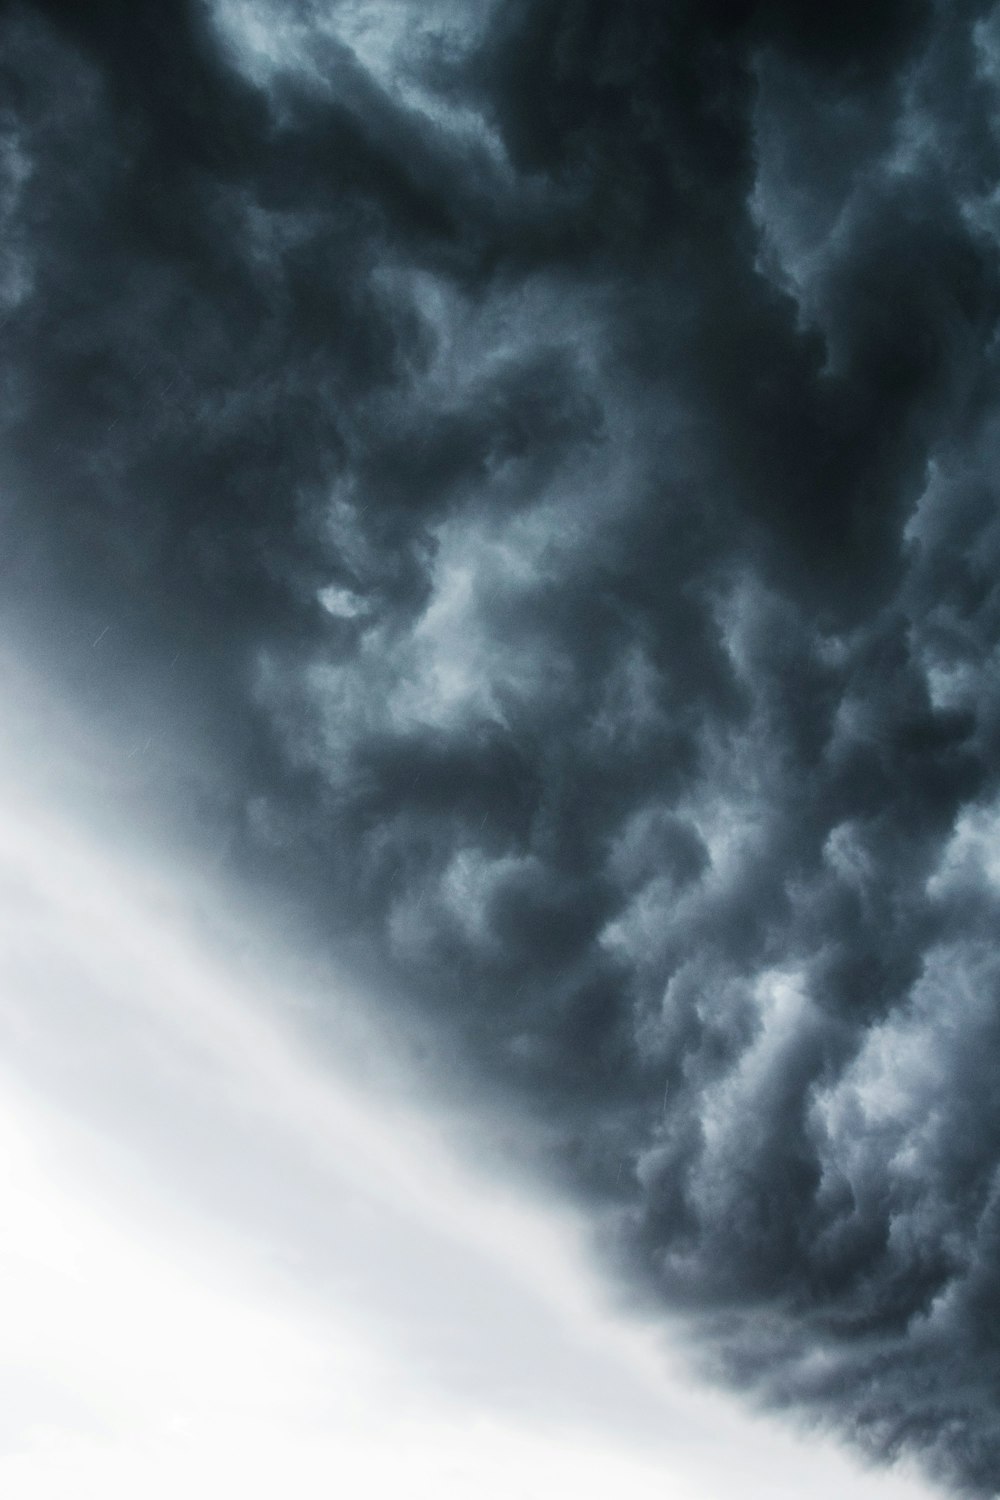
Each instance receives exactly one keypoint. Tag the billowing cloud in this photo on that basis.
(528, 472)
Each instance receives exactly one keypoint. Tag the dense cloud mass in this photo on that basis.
(540, 460)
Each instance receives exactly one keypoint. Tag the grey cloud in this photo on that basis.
(564, 543)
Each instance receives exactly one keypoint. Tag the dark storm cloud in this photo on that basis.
(540, 460)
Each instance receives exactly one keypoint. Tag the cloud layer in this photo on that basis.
(534, 465)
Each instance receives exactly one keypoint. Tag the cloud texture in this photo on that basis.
(535, 464)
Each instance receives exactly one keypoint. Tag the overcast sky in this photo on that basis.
(229, 1265)
(501, 823)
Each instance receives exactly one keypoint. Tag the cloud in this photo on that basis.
(536, 473)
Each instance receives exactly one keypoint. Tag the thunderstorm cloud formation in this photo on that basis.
(518, 481)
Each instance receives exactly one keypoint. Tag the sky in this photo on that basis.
(235, 1259)
(499, 815)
